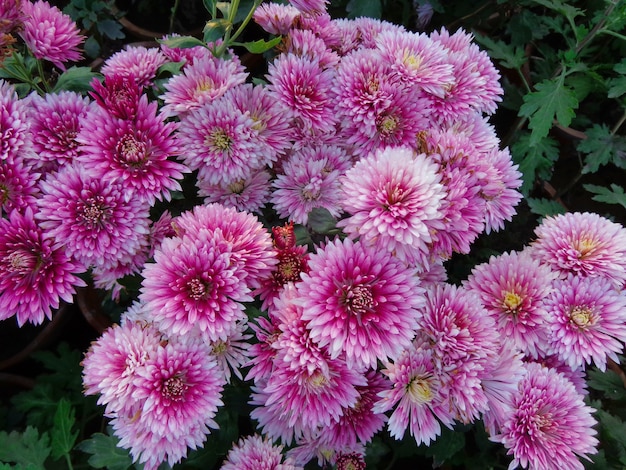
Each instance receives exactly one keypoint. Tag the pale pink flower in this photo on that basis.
(305, 43)
(50, 34)
(137, 63)
(34, 275)
(231, 353)
(276, 18)
(15, 135)
(187, 55)
(257, 453)
(248, 194)
(310, 6)
(359, 302)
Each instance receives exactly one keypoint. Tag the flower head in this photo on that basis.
(15, 136)
(248, 194)
(136, 63)
(119, 94)
(256, 453)
(276, 18)
(18, 186)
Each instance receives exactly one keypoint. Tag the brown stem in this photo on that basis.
(89, 305)
(14, 379)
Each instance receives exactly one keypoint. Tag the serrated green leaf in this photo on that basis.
(105, 453)
(62, 437)
(39, 404)
(26, 449)
(182, 42)
(545, 207)
(617, 85)
(607, 382)
(551, 101)
(509, 56)
(601, 147)
(260, 46)
(75, 79)
(371, 8)
(110, 28)
(615, 195)
(615, 430)
(569, 11)
(535, 161)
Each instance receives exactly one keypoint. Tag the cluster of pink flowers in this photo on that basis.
(382, 130)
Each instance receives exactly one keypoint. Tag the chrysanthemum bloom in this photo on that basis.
(137, 62)
(18, 186)
(247, 194)
(179, 389)
(221, 142)
(187, 55)
(34, 276)
(231, 354)
(512, 287)
(250, 243)
(310, 447)
(578, 376)
(262, 351)
(465, 343)
(200, 83)
(305, 43)
(550, 427)
(194, 284)
(50, 34)
(359, 301)
(303, 87)
(584, 244)
(110, 365)
(15, 136)
(310, 6)
(587, 321)
(134, 153)
(276, 18)
(257, 453)
(416, 395)
(417, 60)
(118, 94)
(55, 123)
(291, 262)
(92, 219)
(394, 198)
(368, 30)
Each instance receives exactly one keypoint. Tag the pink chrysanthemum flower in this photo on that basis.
(394, 198)
(587, 321)
(187, 55)
(257, 453)
(132, 152)
(304, 88)
(310, 447)
(137, 62)
(118, 94)
(55, 123)
(250, 243)
(18, 186)
(110, 365)
(276, 18)
(15, 135)
(417, 60)
(550, 427)
(232, 354)
(195, 285)
(262, 351)
(201, 82)
(92, 219)
(360, 302)
(305, 43)
(247, 194)
(50, 34)
(512, 287)
(34, 276)
(368, 30)
(310, 6)
(583, 244)
(416, 395)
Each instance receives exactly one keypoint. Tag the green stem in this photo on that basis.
(618, 124)
(173, 14)
(228, 39)
(69, 461)
(613, 33)
(42, 75)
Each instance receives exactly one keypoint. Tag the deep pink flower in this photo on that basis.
(93, 220)
(135, 62)
(360, 302)
(247, 194)
(50, 34)
(195, 285)
(134, 152)
(187, 55)
(34, 276)
(15, 136)
(276, 18)
(550, 426)
(257, 453)
(394, 198)
(583, 244)
(18, 186)
(262, 351)
(513, 288)
(305, 43)
(291, 262)
(119, 94)
(587, 321)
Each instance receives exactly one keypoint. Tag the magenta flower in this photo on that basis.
(276, 18)
(550, 427)
(394, 198)
(34, 275)
(513, 287)
(262, 351)
(587, 321)
(310, 6)
(247, 194)
(257, 453)
(137, 63)
(583, 244)
(93, 220)
(18, 186)
(359, 302)
(134, 152)
(50, 34)
(195, 285)
(305, 43)
(15, 135)
(119, 94)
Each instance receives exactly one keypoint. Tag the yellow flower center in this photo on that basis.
(412, 62)
(511, 301)
(419, 390)
(581, 316)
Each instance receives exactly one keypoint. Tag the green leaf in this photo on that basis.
(62, 437)
(75, 79)
(105, 453)
(92, 47)
(358, 8)
(260, 46)
(615, 195)
(602, 147)
(617, 85)
(551, 101)
(321, 221)
(614, 431)
(182, 42)
(545, 207)
(111, 29)
(608, 382)
(446, 445)
(568, 11)
(210, 6)
(39, 404)
(509, 56)
(215, 29)
(25, 449)
(535, 161)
